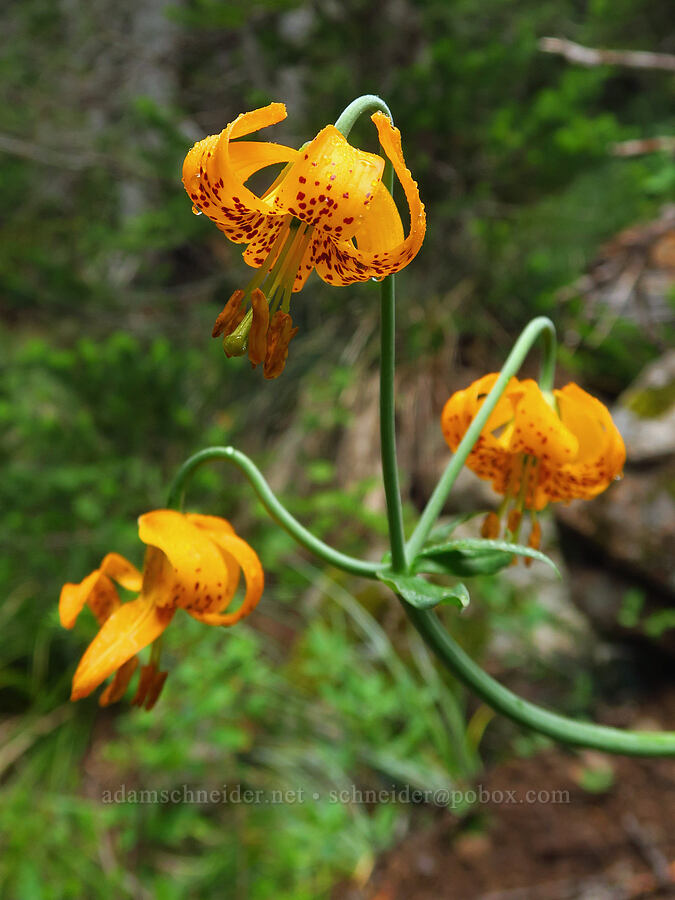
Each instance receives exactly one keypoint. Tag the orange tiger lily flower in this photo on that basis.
(328, 210)
(534, 450)
(192, 562)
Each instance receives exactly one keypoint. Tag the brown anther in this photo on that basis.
(535, 539)
(257, 338)
(490, 527)
(115, 690)
(147, 673)
(535, 535)
(513, 521)
(279, 336)
(155, 690)
(231, 316)
(149, 688)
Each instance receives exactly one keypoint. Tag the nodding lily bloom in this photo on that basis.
(536, 448)
(192, 562)
(328, 210)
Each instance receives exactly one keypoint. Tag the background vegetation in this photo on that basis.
(109, 380)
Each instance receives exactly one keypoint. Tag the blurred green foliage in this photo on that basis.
(108, 380)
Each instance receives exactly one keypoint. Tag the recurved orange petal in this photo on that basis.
(190, 571)
(591, 422)
(74, 597)
(96, 590)
(381, 227)
(339, 262)
(214, 172)
(330, 185)
(538, 430)
(601, 453)
(248, 559)
(131, 627)
(256, 120)
(122, 571)
(217, 528)
(463, 407)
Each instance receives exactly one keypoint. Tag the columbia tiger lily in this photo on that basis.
(192, 562)
(328, 210)
(536, 449)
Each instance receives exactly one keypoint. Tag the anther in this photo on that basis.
(149, 686)
(231, 316)
(280, 334)
(513, 521)
(535, 538)
(490, 527)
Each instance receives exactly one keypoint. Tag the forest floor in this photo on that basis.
(602, 842)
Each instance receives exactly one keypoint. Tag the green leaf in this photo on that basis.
(445, 529)
(474, 556)
(462, 564)
(421, 593)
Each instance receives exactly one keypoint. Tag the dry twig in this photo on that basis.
(591, 56)
(644, 145)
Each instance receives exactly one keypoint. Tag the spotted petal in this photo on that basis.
(381, 251)
(217, 529)
(183, 566)
(330, 185)
(215, 170)
(247, 558)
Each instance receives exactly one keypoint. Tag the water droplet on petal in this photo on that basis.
(196, 211)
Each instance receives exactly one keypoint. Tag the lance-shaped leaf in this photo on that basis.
(474, 556)
(422, 594)
(443, 530)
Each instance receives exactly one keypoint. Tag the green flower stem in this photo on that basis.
(388, 426)
(278, 512)
(568, 731)
(540, 327)
(368, 103)
(549, 353)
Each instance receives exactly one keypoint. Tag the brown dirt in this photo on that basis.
(613, 845)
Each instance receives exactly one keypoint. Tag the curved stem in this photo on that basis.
(368, 103)
(548, 360)
(568, 731)
(278, 512)
(540, 327)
